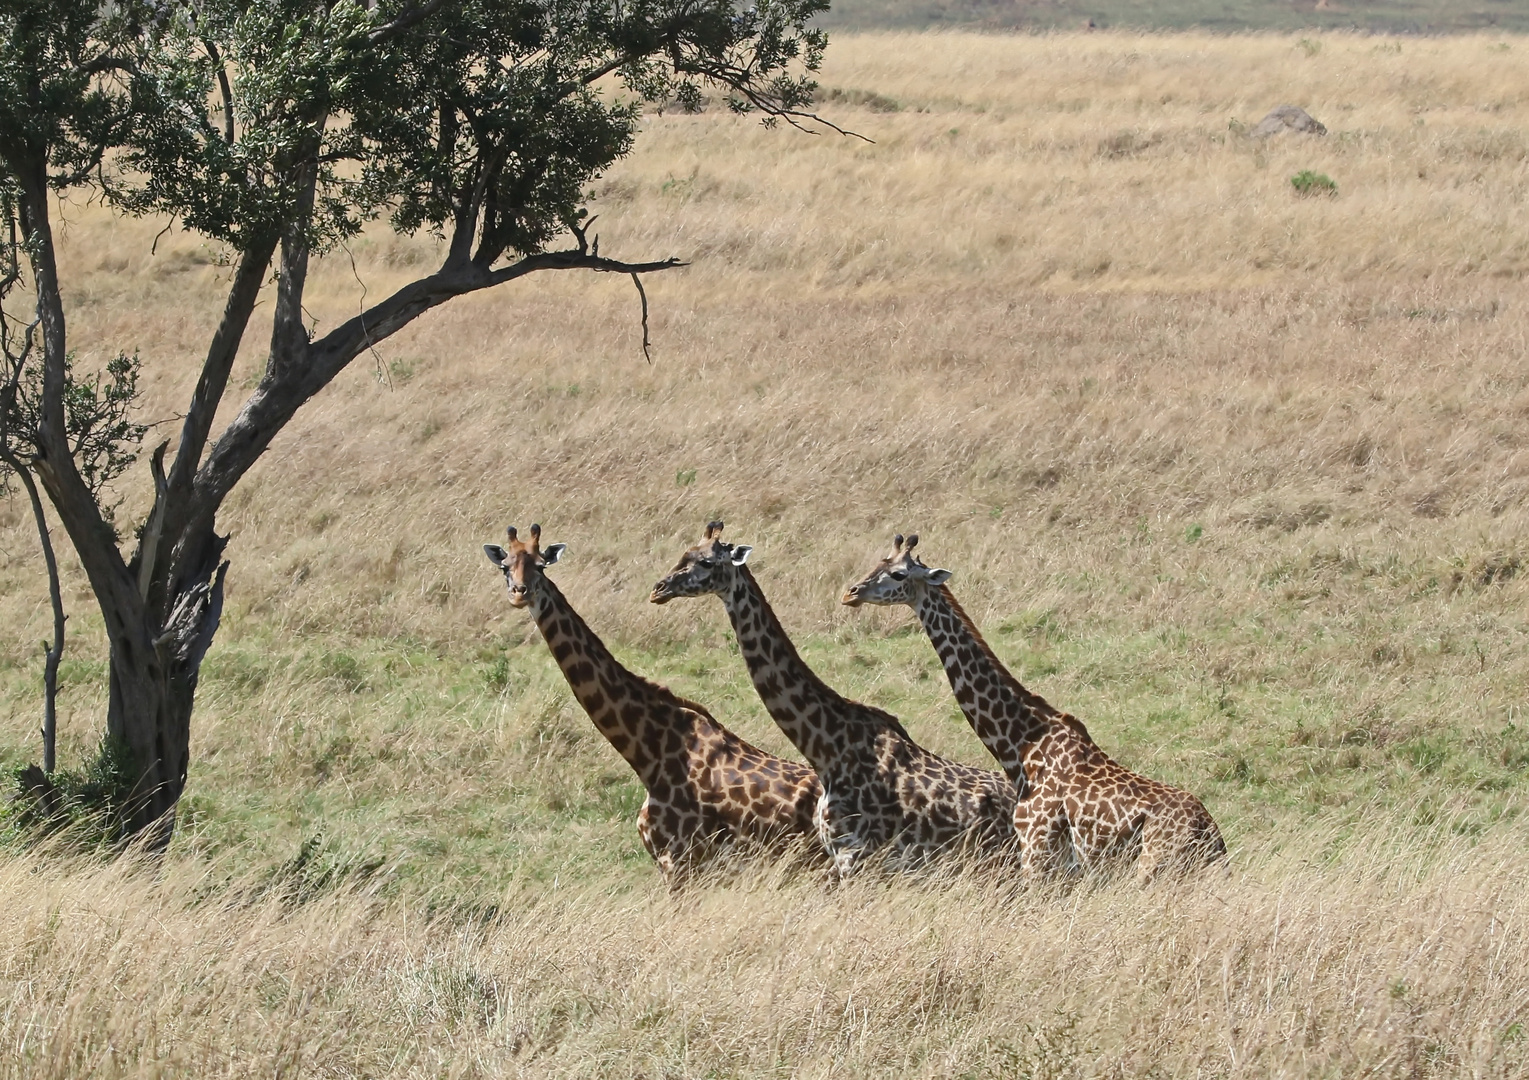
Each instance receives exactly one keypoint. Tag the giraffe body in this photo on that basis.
(706, 787)
(881, 791)
(1077, 808)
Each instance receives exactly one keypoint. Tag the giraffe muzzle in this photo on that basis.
(852, 597)
(660, 594)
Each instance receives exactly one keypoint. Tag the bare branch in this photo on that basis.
(224, 89)
(56, 598)
(795, 116)
(242, 296)
(577, 260)
(280, 395)
(148, 547)
(641, 292)
(407, 19)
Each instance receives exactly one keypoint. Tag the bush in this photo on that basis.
(88, 808)
(1307, 182)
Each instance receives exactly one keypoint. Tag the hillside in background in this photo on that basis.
(1226, 16)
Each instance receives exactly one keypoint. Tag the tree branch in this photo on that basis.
(56, 598)
(93, 538)
(406, 19)
(289, 338)
(224, 89)
(8, 393)
(104, 63)
(242, 296)
(280, 395)
(153, 528)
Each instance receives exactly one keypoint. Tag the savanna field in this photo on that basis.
(1235, 475)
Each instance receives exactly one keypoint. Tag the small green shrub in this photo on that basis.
(498, 674)
(344, 669)
(1307, 182)
(87, 809)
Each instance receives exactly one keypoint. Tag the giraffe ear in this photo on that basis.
(741, 553)
(496, 554)
(937, 577)
(552, 553)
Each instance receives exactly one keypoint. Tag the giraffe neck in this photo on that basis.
(797, 700)
(1008, 719)
(616, 700)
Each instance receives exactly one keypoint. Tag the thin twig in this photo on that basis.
(383, 375)
(637, 280)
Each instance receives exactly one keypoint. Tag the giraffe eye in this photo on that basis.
(708, 563)
(897, 575)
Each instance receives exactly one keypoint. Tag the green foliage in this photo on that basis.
(498, 675)
(104, 439)
(1307, 182)
(224, 113)
(84, 809)
(69, 62)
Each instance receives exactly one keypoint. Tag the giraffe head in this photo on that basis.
(523, 563)
(896, 578)
(709, 567)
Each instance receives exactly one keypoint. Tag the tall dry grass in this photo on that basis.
(1406, 959)
(1236, 476)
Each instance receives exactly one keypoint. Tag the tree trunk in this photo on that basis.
(153, 686)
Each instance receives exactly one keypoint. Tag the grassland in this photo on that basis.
(1224, 16)
(1237, 476)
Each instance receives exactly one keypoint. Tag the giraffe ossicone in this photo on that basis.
(706, 787)
(1077, 807)
(881, 790)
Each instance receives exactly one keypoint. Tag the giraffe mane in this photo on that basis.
(596, 642)
(1029, 697)
(817, 685)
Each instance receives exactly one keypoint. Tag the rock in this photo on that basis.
(1287, 118)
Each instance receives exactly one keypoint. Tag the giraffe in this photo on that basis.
(706, 786)
(880, 788)
(1077, 808)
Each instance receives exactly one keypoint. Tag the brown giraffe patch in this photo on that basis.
(1077, 808)
(707, 788)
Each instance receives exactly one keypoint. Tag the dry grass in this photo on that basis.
(1406, 960)
(1236, 476)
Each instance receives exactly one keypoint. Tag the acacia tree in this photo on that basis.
(279, 128)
